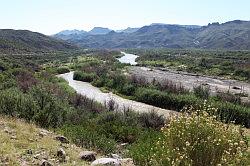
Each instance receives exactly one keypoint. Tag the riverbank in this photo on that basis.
(96, 94)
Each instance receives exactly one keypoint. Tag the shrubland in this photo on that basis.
(199, 135)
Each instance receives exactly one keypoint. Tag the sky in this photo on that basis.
(52, 16)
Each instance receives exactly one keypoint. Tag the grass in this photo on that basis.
(17, 137)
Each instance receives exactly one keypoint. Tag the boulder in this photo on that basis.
(29, 151)
(46, 163)
(61, 154)
(43, 133)
(115, 156)
(88, 155)
(106, 162)
(62, 139)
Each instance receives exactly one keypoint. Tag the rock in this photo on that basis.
(29, 151)
(41, 134)
(62, 139)
(236, 88)
(88, 155)
(37, 156)
(115, 156)
(7, 130)
(124, 144)
(106, 162)
(62, 154)
(44, 132)
(46, 163)
(127, 162)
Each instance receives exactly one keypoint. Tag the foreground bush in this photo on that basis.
(199, 139)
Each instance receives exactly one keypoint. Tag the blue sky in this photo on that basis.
(52, 16)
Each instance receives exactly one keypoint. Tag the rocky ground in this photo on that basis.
(189, 80)
(26, 144)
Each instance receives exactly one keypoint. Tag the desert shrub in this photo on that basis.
(164, 99)
(87, 137)
(14, 103)
(111, 105)
(62, 70)
(118, 80)
(196, 138)
(7, 81)
(142, 150)
(139, 80)
(85, 104)
(52, 111)
(170, 86)
(228, 97)
(25, 80)
(128, 90)
(81, 76)
(228, 111)
(120, 126)
(100, 81)
(232, 112)
(151, 120)
(243, 73)
(202, 91)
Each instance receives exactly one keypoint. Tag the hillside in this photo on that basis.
(19, 41)
(26, 144)
(234, 35)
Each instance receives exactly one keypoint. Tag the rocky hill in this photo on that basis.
(234, 35)
(19, 41)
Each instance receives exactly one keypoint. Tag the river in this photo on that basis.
(96, 94)
(128, 58)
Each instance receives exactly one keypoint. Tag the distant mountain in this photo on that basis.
(128, 30)
(69, 34)
(20, 41)
(230, 35)
(186, 26)
(99, 31)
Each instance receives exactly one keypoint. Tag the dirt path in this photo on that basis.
(95, 93)
(190, 80)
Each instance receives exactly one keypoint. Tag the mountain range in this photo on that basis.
(234, 35)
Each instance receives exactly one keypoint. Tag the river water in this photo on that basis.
(128, 58)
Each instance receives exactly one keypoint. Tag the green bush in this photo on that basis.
(86, 77)
(142, 150)
(52, 111)
(87, 137)
(202, 91)
(128, 90)
(152, 120)
(164, 99)
(13, 102)
(62, 70)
